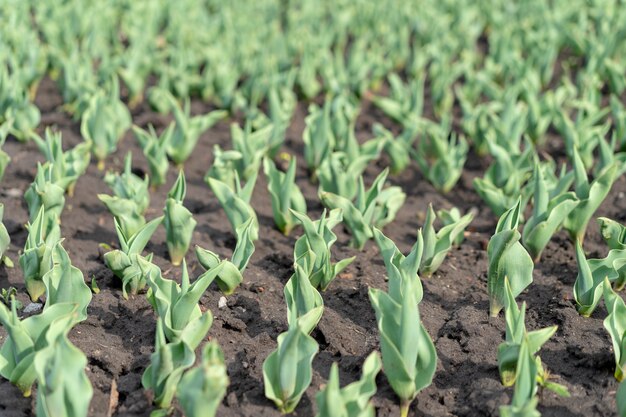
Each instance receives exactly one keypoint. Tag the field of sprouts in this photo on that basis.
(317, 208)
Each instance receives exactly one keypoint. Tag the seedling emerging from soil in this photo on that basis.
(373, 208)
(124, 262)
(504, 180)
(507, 258)
(63, 388)
(68, 165)
(318, 138)
(235, 203)
(339, 174)
(438, 244)
(104, 122)
(583, 135)
(24, 341)
(441, 155)
(409, 356)
(397, 148)
(549, 212)
(177, 305)
(131, 198)
(37, 258)
(129, 186)
(285, 194)
(304, 303)
(509, 350)
(587, 287)
(405, 103)
(167, 365)
(5, 241)
(46, 192)
(178, 220)
(232, 272)
(590, 196)
(313, 248)
(65, 283)
(252, 146)
(613, 266)
(288, 370)
(524, 402)
(188, 129)
(353, 400)
(615, 324)
(201, 390)
(155, 151)
(282, 104)
(401, 268)
(224, 167)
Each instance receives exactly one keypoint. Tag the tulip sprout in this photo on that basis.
(285, 195)
(373, 208)
(178, 220)
(39, 250)
(548, 215)
(587, 287)
(313, 248)
(232, 272)
(45, 191)
(188, 129)
(155, 150)
(438, 244)
(409, 356)
(69, 165)
(202, 389)
(235, 203)
(288, 370)
(60, 369)
(507, 258)
(104, 122)
(304, 303)
(124, 262)
(130, 200)
(352, 400)
(590, 196)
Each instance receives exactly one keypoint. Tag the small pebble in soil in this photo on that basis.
(222, 303)
(32, 308)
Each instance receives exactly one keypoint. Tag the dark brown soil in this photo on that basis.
(118, 335)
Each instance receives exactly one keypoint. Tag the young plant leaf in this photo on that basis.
(352, 400)
(178, 220)
(313, 248)
(201, 390)
(287, 371)
(409, 356)
(507, 258)
(438, 244)
(285, 194)
(373, 208)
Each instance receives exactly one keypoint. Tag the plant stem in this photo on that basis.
(404, 408)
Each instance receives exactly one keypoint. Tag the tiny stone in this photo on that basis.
(222, 302)
(32, 308)
(13, 192)
(231, 400)
(245, 365)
